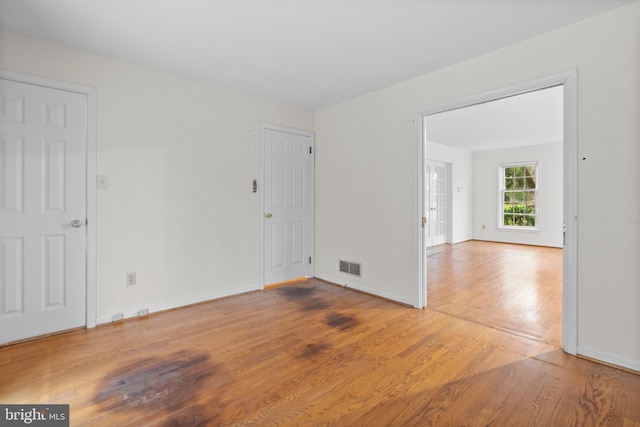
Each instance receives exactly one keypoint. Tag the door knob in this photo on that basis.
(76, 223)
(268, 215)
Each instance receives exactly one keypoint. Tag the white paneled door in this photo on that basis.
(287, 239)
(435, 199)
(43, 143)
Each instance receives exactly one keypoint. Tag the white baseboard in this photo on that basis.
(609, 358)
(365, 289)
(183, 303)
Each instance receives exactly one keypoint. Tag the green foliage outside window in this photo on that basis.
(519, 215)
(519, 203)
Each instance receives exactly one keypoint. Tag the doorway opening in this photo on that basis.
(565, 230)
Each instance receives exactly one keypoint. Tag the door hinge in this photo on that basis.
(310, 150)
(309, 260)
(424, 220)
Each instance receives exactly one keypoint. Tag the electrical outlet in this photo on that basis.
(131, 279)
(143, 312)
(117, 317)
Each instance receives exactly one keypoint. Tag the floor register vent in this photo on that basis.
(352, 268)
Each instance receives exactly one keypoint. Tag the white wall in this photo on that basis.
(462, 207)
(180, 157)
(486, 195)
(365, 171)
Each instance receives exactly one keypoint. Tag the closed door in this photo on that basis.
(43, 143)
(435, 203)
(287, 204)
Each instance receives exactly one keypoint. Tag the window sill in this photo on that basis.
(520, 229)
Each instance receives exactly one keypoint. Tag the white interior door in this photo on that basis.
(43, 143)
(435, 199)
(287, 239)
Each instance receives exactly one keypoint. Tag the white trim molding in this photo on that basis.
(363, 288)
(609, 358)
(180, 304)
(569, 80)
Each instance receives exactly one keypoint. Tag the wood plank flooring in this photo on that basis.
(517, 288)
(314, 354)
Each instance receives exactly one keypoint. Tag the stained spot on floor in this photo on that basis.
(341, 321)
(171, 383)
(295, 292)
(314, 349)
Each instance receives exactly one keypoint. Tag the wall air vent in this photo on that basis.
(344, 266)
(352, 268)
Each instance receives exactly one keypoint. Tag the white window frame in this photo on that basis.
(501, 192)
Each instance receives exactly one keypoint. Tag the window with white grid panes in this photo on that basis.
(519, 196)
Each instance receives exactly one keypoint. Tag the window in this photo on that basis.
(519, 196)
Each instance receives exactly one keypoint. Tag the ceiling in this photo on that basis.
(532, 118)
(307, 53)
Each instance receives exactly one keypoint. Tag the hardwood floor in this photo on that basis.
(517, 288)
(318, 354)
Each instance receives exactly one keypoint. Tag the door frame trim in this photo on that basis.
(91, 163)
(311, 135)
(568, 79)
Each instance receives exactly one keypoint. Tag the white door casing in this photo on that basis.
(287, 202)
(43, 210)
(569, 255)
(435, 200)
